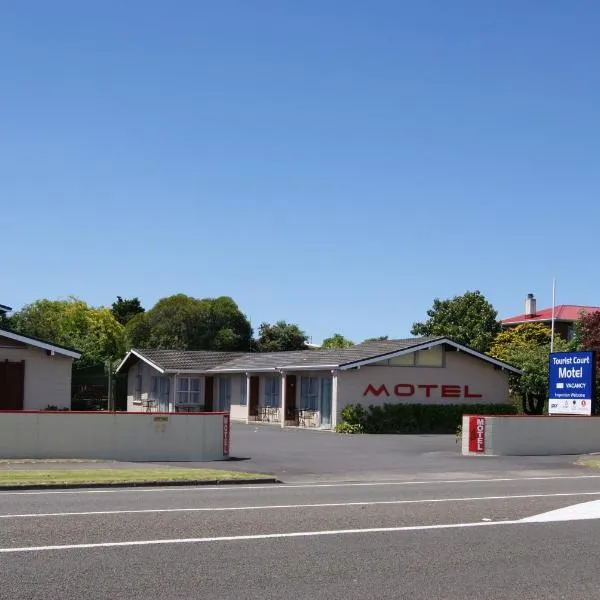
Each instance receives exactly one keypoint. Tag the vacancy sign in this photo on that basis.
(571, 383)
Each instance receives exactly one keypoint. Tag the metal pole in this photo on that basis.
(110, 388)
(553, 305)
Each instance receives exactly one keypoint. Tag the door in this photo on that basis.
(326, 393)
(290, 398)
(12, 385)
(208, 394)
(163, 394)
(224, 394)
(254, 392)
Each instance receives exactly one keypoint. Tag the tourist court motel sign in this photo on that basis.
(571, 383)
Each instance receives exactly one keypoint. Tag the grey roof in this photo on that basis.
(184, 360)
(44, 344)
(318, 358)
(206, 361)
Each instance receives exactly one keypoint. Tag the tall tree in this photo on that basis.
(124, 309)
(184, 323)
(527, 347)
(93, 331)
(380, 338)
(522, 338)
(280, 336)
(468, 319)
(588, 338)
(337, 340)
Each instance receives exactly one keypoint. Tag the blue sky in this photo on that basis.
(337, 165)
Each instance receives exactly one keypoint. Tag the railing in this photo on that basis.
(309, 417)
(269, 414)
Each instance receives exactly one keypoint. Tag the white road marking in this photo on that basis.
(292, 506)
(290, 486)
(265, 536)
(577, 512)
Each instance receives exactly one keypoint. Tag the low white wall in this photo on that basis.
(529, 435)
(117, 436)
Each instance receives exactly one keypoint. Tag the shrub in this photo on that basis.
(417, 418)
(344, 427)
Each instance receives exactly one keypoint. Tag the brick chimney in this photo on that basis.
(530, 306)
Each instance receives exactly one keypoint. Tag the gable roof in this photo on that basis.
(343, 359)
(177, 361)
(315, 358)
(562, 312)
(31, 341)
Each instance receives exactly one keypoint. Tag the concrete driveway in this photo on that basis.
(310, 455)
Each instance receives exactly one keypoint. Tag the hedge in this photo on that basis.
(414, 418)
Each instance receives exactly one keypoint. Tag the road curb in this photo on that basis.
(138, 484)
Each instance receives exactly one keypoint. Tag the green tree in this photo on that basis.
(181, 322)
(468, 319)
(337, 340)
(587, 336)
(527, 347)
(125, 309)
(280, 336)
(524, 337)
(92, 331)
(380, 338)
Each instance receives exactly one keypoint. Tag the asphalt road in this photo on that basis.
(295, 455)
(402, 539)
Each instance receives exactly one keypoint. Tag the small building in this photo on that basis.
(565, 316)
(34, 374)
(311, 387)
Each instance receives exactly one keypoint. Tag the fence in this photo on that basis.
(116, 436)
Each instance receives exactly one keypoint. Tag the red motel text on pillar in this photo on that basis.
(477, 434)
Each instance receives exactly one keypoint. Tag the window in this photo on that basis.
(309, 393)
(224, 393)
(405, 360)
(434, 357)
(137, 396)
(272, 386)
(243, 391)
(188, 390)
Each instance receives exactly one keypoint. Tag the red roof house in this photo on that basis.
(564, 316)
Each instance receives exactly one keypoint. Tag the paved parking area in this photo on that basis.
(310, 455)
(305, 455)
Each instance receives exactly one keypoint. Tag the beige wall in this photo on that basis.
(535, 436)
(47, 378)
(120, 436)
(460, 369)
(147, 373)
(238, 412)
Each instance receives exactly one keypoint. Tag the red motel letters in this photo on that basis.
(407, 390)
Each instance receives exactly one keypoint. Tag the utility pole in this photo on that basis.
(111, 402)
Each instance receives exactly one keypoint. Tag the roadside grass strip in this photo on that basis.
(41, 477)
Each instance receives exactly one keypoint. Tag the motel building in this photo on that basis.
(310, 388)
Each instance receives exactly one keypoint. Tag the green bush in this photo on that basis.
(353, 414)
(344, 427)
(417, 418)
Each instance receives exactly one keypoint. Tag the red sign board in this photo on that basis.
(477, 434)
(226, 435)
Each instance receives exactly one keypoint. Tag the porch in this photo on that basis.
(291, 400)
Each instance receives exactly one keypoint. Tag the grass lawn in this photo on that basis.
(589, 462)
(62, 476)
